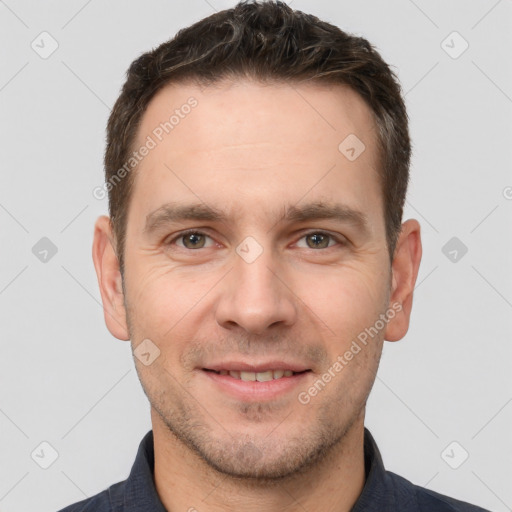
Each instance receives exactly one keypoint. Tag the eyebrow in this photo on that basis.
(174, 212)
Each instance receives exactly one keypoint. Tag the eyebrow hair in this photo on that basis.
(176, 212)
(320, 210)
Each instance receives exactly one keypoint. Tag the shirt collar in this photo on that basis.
(140, 493)
(377, 488)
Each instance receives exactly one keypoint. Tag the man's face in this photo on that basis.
(260, 288)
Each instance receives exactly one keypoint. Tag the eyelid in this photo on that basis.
(181, 234)
(340, 239)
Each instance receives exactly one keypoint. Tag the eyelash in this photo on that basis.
(198, 232)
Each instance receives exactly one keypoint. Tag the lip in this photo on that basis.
(254, 391)
(260, 367)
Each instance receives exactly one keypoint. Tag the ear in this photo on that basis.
(405, 266)
(106, 264)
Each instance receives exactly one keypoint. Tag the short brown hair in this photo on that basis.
(267, 41)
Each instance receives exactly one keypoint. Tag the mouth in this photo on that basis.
(248, 385)
(262, 376)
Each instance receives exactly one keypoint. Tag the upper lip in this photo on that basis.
(260, 367)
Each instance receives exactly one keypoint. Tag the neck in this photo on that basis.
(185, 482)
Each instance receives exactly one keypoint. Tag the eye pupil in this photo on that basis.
(196, 240)
(319, 240)
(192, 239)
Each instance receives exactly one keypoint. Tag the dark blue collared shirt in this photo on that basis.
(384, 491)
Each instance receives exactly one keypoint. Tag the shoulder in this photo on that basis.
(427, 500)
(109, 500)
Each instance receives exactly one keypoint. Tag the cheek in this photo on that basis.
(163, 300)
(346, 301)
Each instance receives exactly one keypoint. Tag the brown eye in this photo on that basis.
(193, 240)
(318, 240)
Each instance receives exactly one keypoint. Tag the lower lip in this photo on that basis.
(254, 390)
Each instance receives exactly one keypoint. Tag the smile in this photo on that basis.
(263, 385)
(263, 376)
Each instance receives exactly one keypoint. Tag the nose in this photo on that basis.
(255, 296)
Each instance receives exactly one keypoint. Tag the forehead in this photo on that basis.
(245, 142)
(248, 111)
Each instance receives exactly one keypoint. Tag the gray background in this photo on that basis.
(65, 380)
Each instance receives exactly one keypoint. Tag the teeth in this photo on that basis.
(264, 376)
(257, 376)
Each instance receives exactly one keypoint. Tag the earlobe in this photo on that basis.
(405, 269)
(106, 264)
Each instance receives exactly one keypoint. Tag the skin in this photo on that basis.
(251, 149)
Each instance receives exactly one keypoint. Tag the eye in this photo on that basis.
(320, 240)
(191, 240)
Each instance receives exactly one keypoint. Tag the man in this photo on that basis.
(257, 166)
